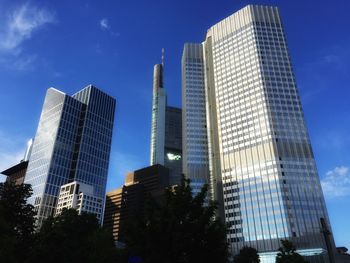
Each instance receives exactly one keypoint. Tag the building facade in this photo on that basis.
(80, 197)
(173, 143)
(122, 205)
(72, 143)
(127, 202)
(17, 172)
(261, 163)
(166, 131)
(159, 102)
(195, 162)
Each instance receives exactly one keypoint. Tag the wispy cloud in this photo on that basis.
(336, 57)
(21, 24)
(98, 48)
(336, 182)
(336, 139)
(18, 27)
(19, 63)
(104, 24)
(332, 60)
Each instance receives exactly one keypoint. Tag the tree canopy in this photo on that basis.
(181, 228)
(247, 255)
(70, 237)
(287, 253)
(17, 223)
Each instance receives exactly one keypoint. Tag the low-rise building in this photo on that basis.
(16, 173)
(127, 202)
(80, 197)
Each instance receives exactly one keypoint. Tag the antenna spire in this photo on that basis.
(163, 57)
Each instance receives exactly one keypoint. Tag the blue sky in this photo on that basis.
(114, 44)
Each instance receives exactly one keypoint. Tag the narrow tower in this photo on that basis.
(158, 115)
(166, 133)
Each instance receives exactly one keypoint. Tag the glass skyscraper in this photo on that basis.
(72, 143)
(195, 163)
(166, 132)
(262, 168)
(158, 116)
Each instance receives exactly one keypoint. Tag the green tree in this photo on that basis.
(180, 228)
(287, 253)
(247, 255)
(17, 222)
(70, 237)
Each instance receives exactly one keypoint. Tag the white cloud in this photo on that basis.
(104, 24)
(21, 24)
(24, 63)
(18, 26)
(336, 182)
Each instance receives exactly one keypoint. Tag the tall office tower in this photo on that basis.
(195, 163)
(72, 143)
(166, 132)
(159, 102)
(261, 162)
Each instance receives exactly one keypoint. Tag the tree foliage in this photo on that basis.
(70, 237)
(16, 221)
(287, 253)
(179, 229)
(182, 228)
(247, 255)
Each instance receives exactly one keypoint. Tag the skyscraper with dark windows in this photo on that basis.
(72, 144)
(261, 164)
(166, 132)
(195, 163)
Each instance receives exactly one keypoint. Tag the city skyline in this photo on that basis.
(312, 57)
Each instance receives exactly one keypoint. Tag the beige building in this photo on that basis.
(81, 197)
(262, 168)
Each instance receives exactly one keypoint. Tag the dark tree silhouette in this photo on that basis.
(287, 253)
(180, 228)
(16, 222)
(70, 237)
(247, 255)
